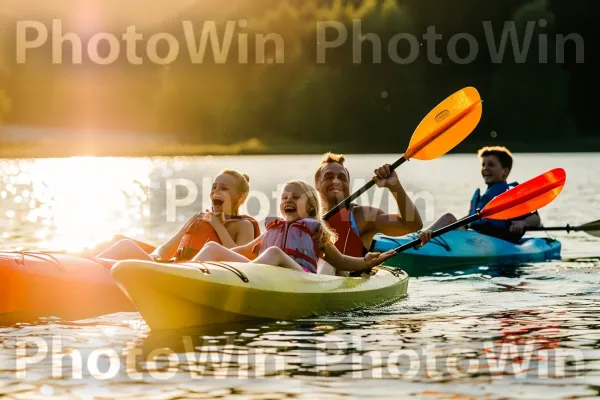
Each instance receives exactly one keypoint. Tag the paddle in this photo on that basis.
(591, 228)
(520, 200)
(448, 124)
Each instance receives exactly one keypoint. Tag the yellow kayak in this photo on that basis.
(171, 296)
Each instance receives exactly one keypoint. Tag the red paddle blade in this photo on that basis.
(527, 197)
(448, 124)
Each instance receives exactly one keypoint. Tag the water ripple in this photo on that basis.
(530, 331)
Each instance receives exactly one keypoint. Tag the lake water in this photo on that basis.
(530, 331)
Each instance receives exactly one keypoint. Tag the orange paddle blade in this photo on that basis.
(446, 125)
(527, 197)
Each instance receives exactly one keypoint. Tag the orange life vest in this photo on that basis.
(201, 232)
(348, 240)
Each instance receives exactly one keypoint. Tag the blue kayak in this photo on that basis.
(465, 248)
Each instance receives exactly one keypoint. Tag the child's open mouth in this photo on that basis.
(217, 202)
(289, 209)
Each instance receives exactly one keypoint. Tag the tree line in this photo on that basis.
(338, 101)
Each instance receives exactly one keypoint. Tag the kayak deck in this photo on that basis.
(191, 294)
(466, 248)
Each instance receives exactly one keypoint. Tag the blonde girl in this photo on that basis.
(222, 225)
(296, 240)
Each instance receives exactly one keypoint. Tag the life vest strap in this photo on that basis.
(304, 229)
(302, 256)
(200, 232)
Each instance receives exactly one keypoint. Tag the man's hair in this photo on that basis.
(329, 158)
(503, 155)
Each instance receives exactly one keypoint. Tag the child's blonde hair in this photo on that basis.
(243, 186)
(315, 210)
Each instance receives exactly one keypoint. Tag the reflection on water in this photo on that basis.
(539, 351)
(72, 204)
(528, 331)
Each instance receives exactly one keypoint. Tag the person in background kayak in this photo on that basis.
(223, 225)
(296, 241)
(496, 165)
(356, 227)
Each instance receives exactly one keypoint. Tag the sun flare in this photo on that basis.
(82, 201)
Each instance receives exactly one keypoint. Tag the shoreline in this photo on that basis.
(63, 148)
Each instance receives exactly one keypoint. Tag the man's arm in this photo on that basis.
(407, 221)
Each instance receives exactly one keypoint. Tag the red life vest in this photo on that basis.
(296, 239)
(201, 232)
(348, 240)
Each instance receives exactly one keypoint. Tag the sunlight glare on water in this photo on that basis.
(76, 203)
(526, 331)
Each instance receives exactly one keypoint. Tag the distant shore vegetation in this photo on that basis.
(279, 95)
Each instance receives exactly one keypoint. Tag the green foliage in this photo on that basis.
(299, 99)
(531, 99)
(362, 105)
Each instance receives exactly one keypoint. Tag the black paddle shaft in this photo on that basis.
(439, 232)
(567, 228)
(591, 228)
(346, 202)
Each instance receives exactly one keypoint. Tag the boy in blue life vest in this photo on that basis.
(496, 164)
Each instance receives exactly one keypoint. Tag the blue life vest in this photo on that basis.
(479, 201)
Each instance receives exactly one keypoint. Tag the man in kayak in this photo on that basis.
(496, 164)
(355, 227)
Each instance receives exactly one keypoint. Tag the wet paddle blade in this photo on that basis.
(527, 197)
(446, 125)
(592, 228)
